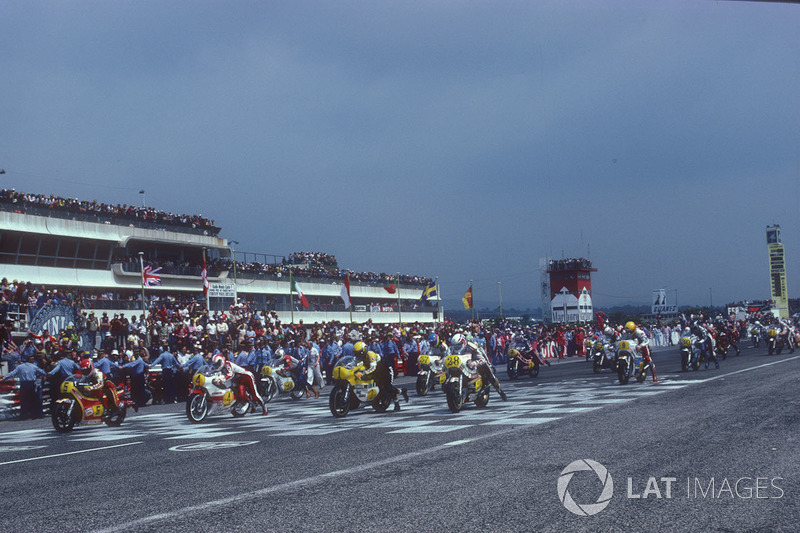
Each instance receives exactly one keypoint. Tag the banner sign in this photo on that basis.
(221, 290)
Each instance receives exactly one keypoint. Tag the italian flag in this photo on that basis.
(346, 291)
(296, 289)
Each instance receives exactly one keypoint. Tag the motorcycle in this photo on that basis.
(464, 383)
(517, 367)
(689, 357)
(756, 334)
(75, 408)
(630, 363)
(349, 392)
(603, 357)
(774, 341)
(723, 345)
(210, 396)
(278, 381)
(588, 344)
(431, 373)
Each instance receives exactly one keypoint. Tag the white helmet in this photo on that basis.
(458, 340)
(217, 362)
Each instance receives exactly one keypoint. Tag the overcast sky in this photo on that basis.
(464, 140)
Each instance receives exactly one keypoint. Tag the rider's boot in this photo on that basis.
(264, 410)
(396, 405)
(404, 392)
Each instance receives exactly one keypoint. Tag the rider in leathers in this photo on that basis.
(377, 370)
(635, 334)
(459, 345)
(92, 383)
(703, 335)
(233, 374)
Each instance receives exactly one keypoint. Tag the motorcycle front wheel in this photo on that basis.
(455, 401)
(197, 407)
(269, 393)
(62, 421)
(118, 416)
(622, 372)
(513, 370)
(684, 361)
(482, 399)
(339, 407)
(597, 367)
(423, 385)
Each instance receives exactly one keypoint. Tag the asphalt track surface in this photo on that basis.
(728, 438)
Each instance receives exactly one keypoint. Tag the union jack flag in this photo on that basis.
(150, 276)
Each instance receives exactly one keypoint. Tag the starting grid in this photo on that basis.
(527, 405)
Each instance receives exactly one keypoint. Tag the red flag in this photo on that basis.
(204, 275)
(346, 291)
(390, 289)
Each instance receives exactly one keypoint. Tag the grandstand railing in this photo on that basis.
(102, 218)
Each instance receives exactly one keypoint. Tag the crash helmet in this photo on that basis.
(458, 340)
(359, 349)
(630, 326)
(433, 339)
(86, 366)
(513, 352)
(217, 362)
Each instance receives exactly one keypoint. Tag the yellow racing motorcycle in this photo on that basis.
(349, 392)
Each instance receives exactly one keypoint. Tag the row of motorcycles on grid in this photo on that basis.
(777, 337)
(621, 357)
(458, 376)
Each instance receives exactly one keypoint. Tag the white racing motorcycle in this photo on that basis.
(431, 373)
(210, 396)
(280, 382)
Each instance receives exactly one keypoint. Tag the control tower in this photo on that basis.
(567, 290)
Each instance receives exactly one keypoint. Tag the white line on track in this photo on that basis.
(748, 369)
(292, 485)
(67, 453)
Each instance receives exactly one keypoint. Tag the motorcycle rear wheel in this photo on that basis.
(197, 407)
(240, 408)
(455, 401)
(62, 421)
(381, 403)
(338, 406)
(118, 416)
(422, 385)
(297, 393)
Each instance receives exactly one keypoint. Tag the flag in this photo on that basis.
(390, 289)
(296, 288)
(204, 275)
(429, 292)
(467, 299)
(346, 291)
(150, 276)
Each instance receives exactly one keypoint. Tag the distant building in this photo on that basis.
(567, 290)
